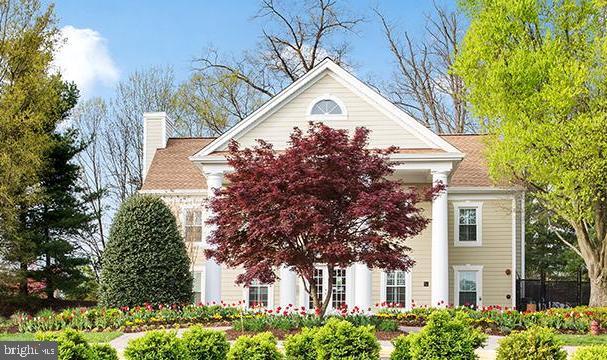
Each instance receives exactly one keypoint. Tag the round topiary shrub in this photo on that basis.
(70, 344)
(594, 352)
(402, 348)
(536, 343)
(157, 345)
(204, 344)
(301, 346)
(444, 337)
(339, 339)
(103, 352)
(259, 347)
(145, 260)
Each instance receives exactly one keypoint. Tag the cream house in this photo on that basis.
(470, 254)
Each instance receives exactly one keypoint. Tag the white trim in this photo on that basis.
(320, 117)
(408, 289)
(176, 192)
(245, 294)
(513, 270)
(182, 217)
(479, 282)
(478, 206)
(348, 80)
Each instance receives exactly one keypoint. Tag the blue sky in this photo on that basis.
(119, 37)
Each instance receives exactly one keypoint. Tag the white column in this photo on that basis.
(212, 284)
(362, 287)
(440, 244)
(288, 287)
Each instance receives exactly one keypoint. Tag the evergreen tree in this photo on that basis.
(145, 259)
(59, 218)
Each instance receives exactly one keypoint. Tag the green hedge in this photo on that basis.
(145, 260)
(444, 337)
(533, 344)
(594, 352)
(157, 345)
(259, 347)
(204, 344)
(71, 345)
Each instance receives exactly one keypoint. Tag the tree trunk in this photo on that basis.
(23, 290)
(592, 249)
(598, 290)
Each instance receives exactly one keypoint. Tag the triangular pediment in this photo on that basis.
(362, 106)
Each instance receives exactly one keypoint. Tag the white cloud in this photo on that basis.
(83, 58)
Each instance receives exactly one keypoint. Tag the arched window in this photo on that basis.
(326, 107)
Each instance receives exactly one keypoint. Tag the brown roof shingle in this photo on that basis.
(171, 169)
(473, 170)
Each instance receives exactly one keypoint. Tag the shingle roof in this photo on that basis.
(171, 169)
(473, 170)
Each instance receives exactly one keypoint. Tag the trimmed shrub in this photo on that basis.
(204, 344)
(157, 345)
(444, 337)
(339, 339)
(259, 347)
(536, 343)
(71, 345)
(301, 346)
(145, 260)
(103, 352)
(402, 348)
(594, 352)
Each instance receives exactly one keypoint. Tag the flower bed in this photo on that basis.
(493, 320)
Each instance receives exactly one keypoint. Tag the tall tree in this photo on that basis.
(324, 200)
(60, 218)
(33, 100)
(423, 84)
(294, 40)
(148, 90)
(536, 70)
(550, 245)
(90, 118)
(28, 98)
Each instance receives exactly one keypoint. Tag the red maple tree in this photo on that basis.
(326, 199)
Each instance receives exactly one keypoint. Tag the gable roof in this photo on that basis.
(345, 78)
(171, 169)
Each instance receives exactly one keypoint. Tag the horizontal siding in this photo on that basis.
(278, 126)
(495, 254)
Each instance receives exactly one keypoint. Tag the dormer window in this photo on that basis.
(327, 107)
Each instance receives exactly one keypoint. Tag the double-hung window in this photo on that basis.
(468, 285)
(468, 224)
(259, 295)
(396, 289)
(193, 225)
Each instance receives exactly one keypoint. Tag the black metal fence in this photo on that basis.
(552, 293)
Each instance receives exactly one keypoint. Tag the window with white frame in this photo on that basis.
(193, 224)
(318, 283)
(197, 286)
(468, 224)
(259, 295)
(468, 285)
(338, 299)
(396, 288)
(326, 107)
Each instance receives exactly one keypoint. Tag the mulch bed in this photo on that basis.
(282, 334)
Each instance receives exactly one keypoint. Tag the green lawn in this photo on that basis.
(580, 340)
(99, 337)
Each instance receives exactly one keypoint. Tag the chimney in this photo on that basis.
(157, 129)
